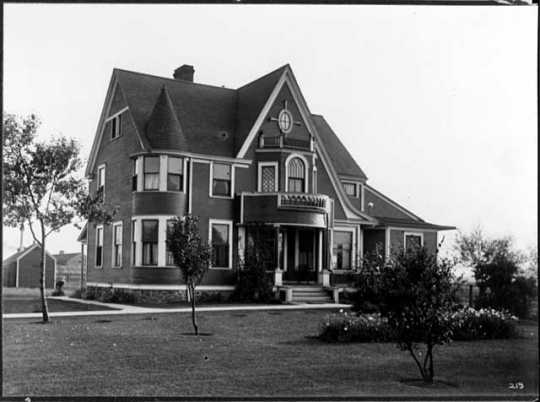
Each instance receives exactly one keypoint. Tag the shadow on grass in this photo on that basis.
(436, 384)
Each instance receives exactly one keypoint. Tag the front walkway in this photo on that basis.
(121, 309)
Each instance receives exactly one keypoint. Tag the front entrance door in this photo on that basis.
(301, 246)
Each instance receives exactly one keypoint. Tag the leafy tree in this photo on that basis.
(190, 254)
(415, 292)
(41, 187)
(496, 266)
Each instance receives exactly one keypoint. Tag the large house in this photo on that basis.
(236, 158)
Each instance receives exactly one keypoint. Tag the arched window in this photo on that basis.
(296, 180)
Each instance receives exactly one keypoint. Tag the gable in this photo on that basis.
(270, 127)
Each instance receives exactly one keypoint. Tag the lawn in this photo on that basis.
(249, 353)
(32, 304)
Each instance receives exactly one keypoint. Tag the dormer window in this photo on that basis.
(350, 189)
(115, 126)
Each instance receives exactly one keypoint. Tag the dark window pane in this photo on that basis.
(413, 242)
(150, 230)
(342, 249)
(220, 245)
(174, 182)
(222, 187)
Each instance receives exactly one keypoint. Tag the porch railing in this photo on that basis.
(307, 201)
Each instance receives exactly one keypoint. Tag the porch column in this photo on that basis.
(278, 273)
(320, 251)
(296, 251)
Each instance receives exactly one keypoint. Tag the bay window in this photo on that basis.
(150, 241)
(175, 174)
(151, 173)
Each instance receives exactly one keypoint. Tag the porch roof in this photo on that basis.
(409, 223)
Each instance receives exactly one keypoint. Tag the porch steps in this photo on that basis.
(310, 294)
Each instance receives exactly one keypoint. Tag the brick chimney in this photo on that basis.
(184, 72)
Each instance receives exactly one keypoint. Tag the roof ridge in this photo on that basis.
(264, 76)
(174, 79)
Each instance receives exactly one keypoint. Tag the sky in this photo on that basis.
(436, 104)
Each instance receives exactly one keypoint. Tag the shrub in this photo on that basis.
(77, 294)
(347, 327)
(471, 324)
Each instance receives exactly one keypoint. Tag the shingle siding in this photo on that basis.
(381, 207)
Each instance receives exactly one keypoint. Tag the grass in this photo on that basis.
(248, 353)
(32, 304)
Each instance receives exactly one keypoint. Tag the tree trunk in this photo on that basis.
(411, 351)
(193, 319)
(44, 308)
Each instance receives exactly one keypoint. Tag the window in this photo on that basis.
(175, 174)
(99, 246)
(267, 177)
(151, 173)
(350, 189)
(115, 126)
(117, 245)
(170, 259)
(297, 176)
(133, 244)
(220, 240)
(150, 242)
(413, 241)
(221, 183)
(342, 249)
(101, 182)
(134, 176)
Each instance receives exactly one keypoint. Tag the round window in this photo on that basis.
(285, 121)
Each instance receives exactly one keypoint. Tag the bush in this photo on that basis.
(347, 327)
(470, 324)
(254, 284)
(77, 294)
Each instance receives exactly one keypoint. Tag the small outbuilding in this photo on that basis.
(23, 270)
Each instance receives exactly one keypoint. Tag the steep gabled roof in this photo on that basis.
(251, 99)
(204, 112)
(17, 254)
(343, 162)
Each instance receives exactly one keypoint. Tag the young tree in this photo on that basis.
(190, 254)
(41, 187)
(416, 295)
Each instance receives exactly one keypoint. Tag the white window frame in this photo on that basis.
(355, 184)
(98, 228)
(184, 168)
(353, 247)
(210, 185)
(417, 234)
(114, 225)
(162, 236)
(259, 175)
(306, 170)
(229, 223)
(101, 167)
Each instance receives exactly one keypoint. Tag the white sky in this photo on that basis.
(436, 104)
